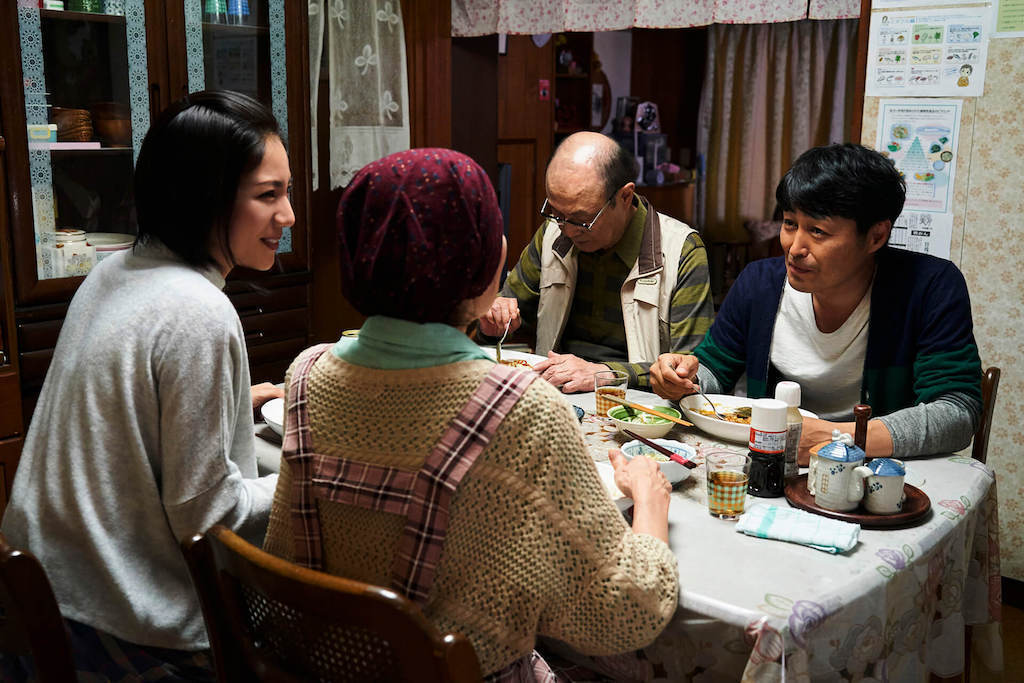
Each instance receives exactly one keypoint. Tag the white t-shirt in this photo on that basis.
(828, 367)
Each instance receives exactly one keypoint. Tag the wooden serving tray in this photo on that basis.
(915, 508)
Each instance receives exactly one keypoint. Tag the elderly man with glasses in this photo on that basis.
(607, 282)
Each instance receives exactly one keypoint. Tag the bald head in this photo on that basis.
(590, 159)
(590, 174)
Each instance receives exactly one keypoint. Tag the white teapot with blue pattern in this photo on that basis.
(836, 476)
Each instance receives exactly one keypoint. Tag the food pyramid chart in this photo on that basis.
(914, 161)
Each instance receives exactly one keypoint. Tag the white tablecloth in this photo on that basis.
(893, 608)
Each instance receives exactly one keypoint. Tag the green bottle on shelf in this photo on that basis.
(216, 11)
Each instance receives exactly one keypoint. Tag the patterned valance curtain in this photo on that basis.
(483, 17)
(368, 83)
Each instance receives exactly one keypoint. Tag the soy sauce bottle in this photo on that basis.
(767, 444)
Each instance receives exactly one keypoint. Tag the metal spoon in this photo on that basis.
(497, 350)
(713, 408)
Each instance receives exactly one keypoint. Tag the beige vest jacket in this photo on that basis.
(646, 294)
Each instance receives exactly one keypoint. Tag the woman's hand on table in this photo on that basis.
(504, 310)
(261, 393)
(641, 479)
(673, 375)
(569, 373)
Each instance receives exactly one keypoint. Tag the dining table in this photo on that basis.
(897, 607)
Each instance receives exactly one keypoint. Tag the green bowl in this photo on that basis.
(655, 429)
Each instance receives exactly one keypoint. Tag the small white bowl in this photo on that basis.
(273, 414)
(672, 470)
(648, 430)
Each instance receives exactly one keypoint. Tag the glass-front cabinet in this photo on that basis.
(83, 82)
(80, 83)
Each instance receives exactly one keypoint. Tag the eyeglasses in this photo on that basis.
(567, 221)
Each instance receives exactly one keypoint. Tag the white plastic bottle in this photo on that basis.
(789, 393)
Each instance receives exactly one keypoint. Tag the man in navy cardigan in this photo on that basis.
(847, 317)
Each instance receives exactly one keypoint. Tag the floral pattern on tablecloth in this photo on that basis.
(918, 587)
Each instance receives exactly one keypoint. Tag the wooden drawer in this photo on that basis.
(36, 335)
(269, 362)
(267, 328)
(10, 453)
(34, 365)
(269, 300)
(10, 405)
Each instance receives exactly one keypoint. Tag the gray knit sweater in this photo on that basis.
(141, 437)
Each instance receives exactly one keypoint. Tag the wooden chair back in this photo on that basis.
(989, 390)
(269, 619)
(30, 622)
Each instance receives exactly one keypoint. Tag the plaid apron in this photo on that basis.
(423, 497)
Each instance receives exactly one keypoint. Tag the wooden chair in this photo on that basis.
(989, 389)
(30, 622)
(269, 619)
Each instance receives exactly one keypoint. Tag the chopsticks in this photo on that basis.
(675, 457)
(645, 409)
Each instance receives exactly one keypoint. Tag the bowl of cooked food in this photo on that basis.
(672, 470)
(643, 424)
(735, 409)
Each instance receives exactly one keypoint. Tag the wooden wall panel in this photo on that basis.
(428, 46)
(525, 131)
(475, 100)
(668, 69)
(523, 220)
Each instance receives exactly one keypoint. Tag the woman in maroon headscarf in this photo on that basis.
(463, 484)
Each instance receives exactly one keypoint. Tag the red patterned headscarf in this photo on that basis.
(420, 232)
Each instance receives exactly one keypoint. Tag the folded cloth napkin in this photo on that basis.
(797, 526)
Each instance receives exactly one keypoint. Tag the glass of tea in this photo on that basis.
(728, 474)
(608, 383)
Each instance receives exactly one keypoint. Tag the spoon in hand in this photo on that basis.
(497, 350)
(713, 408)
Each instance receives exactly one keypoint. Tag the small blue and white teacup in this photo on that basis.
(883, 485)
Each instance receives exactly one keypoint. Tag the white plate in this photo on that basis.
(672, 470)
(273, 414)
(729, 431)
(607, 473)
(508, 354)
(110, 240)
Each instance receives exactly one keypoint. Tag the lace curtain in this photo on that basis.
(368, 84)
(483, 17)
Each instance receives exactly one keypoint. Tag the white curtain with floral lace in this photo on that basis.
(483, 17)
(368, 83)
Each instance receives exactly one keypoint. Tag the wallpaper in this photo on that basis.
(988, 246)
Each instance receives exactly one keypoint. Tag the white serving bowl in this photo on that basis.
(672, 470)
(648, 430)
(273, 414)
(728, 431)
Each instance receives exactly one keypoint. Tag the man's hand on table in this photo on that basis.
(815, 431)
(504, 310)
(261, 393)
(567, 372)
(673, 375)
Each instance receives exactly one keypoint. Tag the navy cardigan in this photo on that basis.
(920, 334)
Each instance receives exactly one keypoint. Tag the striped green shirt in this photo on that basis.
(594, 329)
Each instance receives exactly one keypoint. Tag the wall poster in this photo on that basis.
(928, 52)
(920, 136)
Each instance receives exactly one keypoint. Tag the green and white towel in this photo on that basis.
(797, 526)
